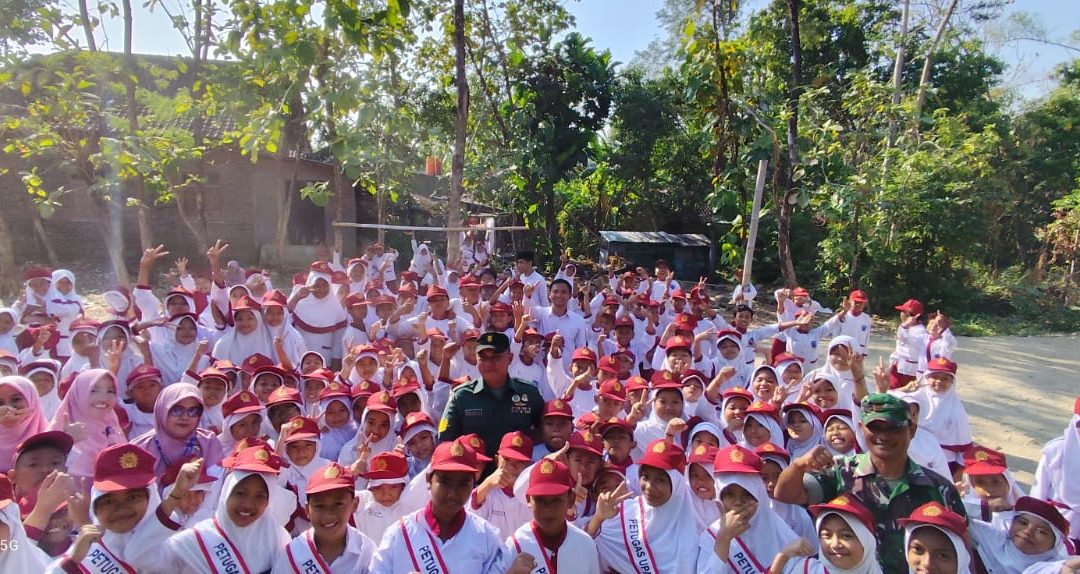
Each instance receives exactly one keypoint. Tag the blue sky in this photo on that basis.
(626, 26)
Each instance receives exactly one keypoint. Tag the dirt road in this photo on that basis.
(1018, 391)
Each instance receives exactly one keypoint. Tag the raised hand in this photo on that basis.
(181, 264)
(816, 460)
(188, 476)
(523, 564)
(88, 535)
(607, 504)
(215, 251)
(881, 376)
(676, 426)
(150, 256)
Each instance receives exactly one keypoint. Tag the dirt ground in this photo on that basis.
(1018, 391)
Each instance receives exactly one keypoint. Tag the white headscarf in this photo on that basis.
(1066, 463)
(798, 448)
(55, 299)
(943, 415)
(50, 401)
(998, 552)
(7, 340)
(854, 429)
(867, 565)
(256, 543)
(170, 356)
(776, 434)
(672, 538)
(236, 347)
(22, 554)
(963, 556)
(705, 511)
(768, 534)
(796, 517)
(325, 312)
(298, 475)
(117, 543)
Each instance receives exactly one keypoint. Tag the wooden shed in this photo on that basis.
(689, 253)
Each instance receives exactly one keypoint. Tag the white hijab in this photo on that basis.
(672, 538)
(173, 358)
(705, 511)
(943, 415)
(776, 434)
(868, 564)
(256, 543)
(854, 428)
(117, 543)
(7, 340)
(798, 448)
(998, 552)
(235, 346)
(768, 533)
(1067, 463)
(325, 312)
(50, 401)
(55, 298)
(297, 475)
(22, 554)
(963, 556)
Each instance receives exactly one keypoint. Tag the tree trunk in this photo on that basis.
(111, 214)
(284, 209)
(924, 79)
(551, 224)
(43, 236)
(787, 267)
(898, 72)
(457, 170)
(87, 26)
(9, 285)
(146, 234)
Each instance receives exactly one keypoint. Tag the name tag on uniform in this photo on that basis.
(520, 404)
(474, 412)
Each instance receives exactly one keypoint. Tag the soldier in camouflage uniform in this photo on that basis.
(884, 479)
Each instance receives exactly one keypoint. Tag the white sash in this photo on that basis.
(100, 560)
(740, 559)
(220, 553)
(424, 554)
(531, 545)
(637, 543)
(304, 557)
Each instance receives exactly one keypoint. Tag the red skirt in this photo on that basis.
(897, 380)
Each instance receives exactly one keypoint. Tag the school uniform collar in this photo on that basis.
(552, 544)
(455, 525)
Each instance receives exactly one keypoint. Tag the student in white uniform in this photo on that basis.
(853, 321)
(381, 503)
(330, 546)
(442, 533)
(904, 361)
(548, 543)
(493, 499)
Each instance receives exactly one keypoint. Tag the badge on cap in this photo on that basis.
(588, 436)
(516, 441)
(616, 386)
(245, 397)
(262, 455)
(658, 447)
(981, 456)
(841, 501)
(735, 455)
(932, 511)
(457, 450)
(380, 464)
(768, 447)
(547, 467)
(473, 442)
(701, 449)
(333, 471)
(129, 460)
(558, 404)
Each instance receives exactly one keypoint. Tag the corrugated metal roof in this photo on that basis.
(684, 239)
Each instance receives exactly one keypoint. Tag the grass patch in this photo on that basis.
(1062, 320)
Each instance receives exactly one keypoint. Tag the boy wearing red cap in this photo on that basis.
(578, 388)
(493, 499)
(331, 545)
(904, 361)
(853, 320)
(381, 504)
(548, 543)
(442, 533)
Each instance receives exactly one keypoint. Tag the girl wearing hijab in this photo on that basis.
(63, 303)
(84, 349)
(845, 531)
(804, 428)
(936, 540)
(279, 323)
(699, 476)
(1027, 540)
(1058, 474)
(666, 406)
(243, 535)
(9, 318)
(941, 412)
(733, 413)
(299, 446)
(774, 460)
(991, 487)
(109, 334)
(841, 438)
(749, 537)
(375, 432)
(248, 336)
(644, 533)
(91, 401)
(193, 504)
(20, 416)
(174, 353)
(21, 553)
(36, 287)
(762, 425)
(176, 435)
(243, 419)
(44, 374)
(338, 425)
(317, 313)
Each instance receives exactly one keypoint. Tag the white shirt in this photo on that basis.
(569, 324)
(855, 326)
(356, 559)
(576, 554)
(906, 354)
(505, 512)
(475, 549)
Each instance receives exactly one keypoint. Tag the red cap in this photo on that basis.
(436, 291)
(410, 275)
(142, 372)
(473, 441)
(678, 294)
(859, 296)
(678, 343)
(516, 446)
(736, 459)
(1048, 511)
(382, 402)
(587, 441)
(404, 387)
(385, 300)
(665, 455)
(230, 459)
(468, 282)
(413, 420)
(363, 389)
(303, 428)
(470, 335)
(846, 504)
(275, 298)
(239, 403)
(941, 365)
(785, 357)
(636, 383)
(699, 294)
(608, 301)
(624, 321)
(800, 292)
(321, 267)
(616, 423)
(334, 389)
(256, 459)
(501, 307)
(911, 307)
(246, 303)
(58, 439)
(613, 390)
(737, 392)
(531, 333)
(83, 325)
(256, 362)
(609, 364)
(979, 461)
(583, 354)
(549, 478)
(664, 379)
(122, 467)
(213, 373)
(703, 454)
(37, 273)
(938, 514)
(685, 321)
(454, 456)
(355, 300)
(558, 408)
(283, 395)
(690, 375)
(764, 408)
(387, 466)
(770, 449)
(330, 477)
(27, 338)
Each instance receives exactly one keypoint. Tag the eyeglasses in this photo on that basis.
(192, 412)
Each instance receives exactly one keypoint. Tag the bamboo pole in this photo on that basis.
(755, 213)
(425, 228)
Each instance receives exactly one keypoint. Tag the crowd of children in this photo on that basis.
(226, 425)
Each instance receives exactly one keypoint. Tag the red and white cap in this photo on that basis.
(330, 477)
(123, 467)
(664, 454)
